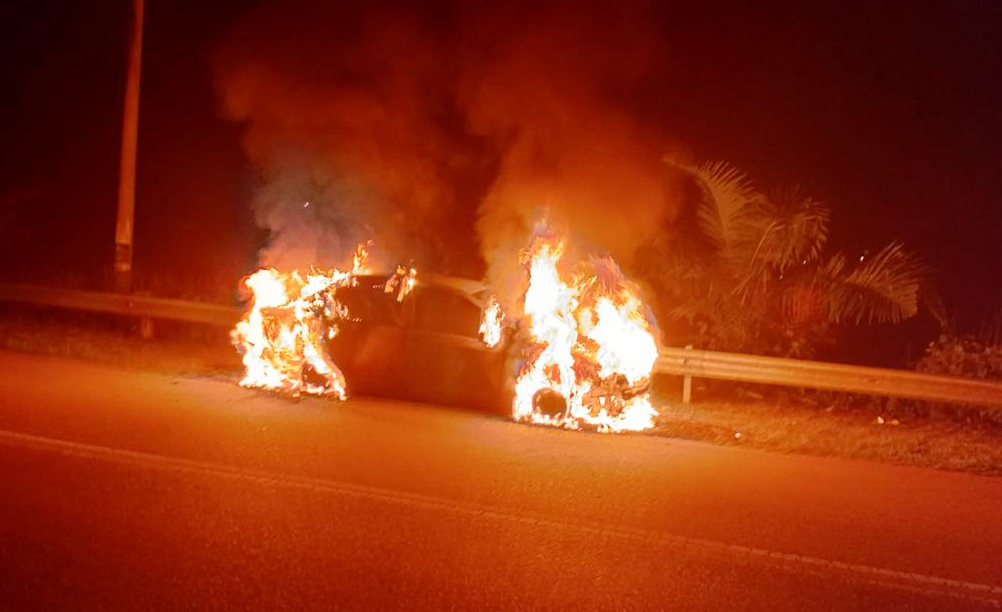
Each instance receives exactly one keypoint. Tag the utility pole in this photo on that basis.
(127, 167)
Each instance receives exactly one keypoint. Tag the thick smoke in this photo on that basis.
(448, 130)
(342, 109)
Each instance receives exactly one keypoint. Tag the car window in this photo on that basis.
(369, 303)
(445, 311)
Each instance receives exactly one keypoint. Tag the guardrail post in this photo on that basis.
(687, 383)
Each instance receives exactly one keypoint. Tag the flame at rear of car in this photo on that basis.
(283, 334)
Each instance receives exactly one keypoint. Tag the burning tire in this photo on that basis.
(549, 403)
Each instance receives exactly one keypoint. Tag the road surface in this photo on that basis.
(132, 491)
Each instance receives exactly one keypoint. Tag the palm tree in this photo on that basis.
(748, 272)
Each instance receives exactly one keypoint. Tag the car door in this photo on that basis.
(446, 360)
(370, 345)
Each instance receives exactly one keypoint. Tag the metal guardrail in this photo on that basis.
(831, 376)
(673, 361)
(123, 304)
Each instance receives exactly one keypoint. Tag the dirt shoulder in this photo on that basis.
(826, 424)
(776, 420)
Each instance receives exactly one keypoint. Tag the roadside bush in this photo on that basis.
(965, 357)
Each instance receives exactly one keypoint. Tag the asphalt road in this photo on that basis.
(129, 491)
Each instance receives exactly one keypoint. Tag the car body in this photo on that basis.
(422, 344)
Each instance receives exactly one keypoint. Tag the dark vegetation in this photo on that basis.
(750, 272)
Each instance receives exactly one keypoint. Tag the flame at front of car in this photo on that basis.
(592, 347)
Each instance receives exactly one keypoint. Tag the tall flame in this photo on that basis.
(283, 334)
(592, 346)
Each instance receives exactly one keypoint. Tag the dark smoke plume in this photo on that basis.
(445, 132)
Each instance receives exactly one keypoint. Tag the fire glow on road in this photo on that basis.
(673, 544)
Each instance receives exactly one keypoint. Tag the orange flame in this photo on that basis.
(402, 282)
(283, 334)
(360, 261)
(492, 323)
(592, 346)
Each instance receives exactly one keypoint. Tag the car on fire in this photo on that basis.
(585, 363)
(424, 342)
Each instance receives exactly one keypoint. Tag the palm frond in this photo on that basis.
(883, 289)
(834, 267)
(725, 193)
(791, 230)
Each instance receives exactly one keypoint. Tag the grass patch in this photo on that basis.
(176, 348)
(789, 422)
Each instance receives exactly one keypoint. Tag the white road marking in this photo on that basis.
(922, 583)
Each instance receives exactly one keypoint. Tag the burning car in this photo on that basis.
(578, 354)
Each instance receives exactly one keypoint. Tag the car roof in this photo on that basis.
(466, 285)
(472, 288)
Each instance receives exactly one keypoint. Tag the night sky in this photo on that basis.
(887, 111)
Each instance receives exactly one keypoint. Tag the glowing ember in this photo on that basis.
(592, 346)
(492, 323)
(283, 334)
